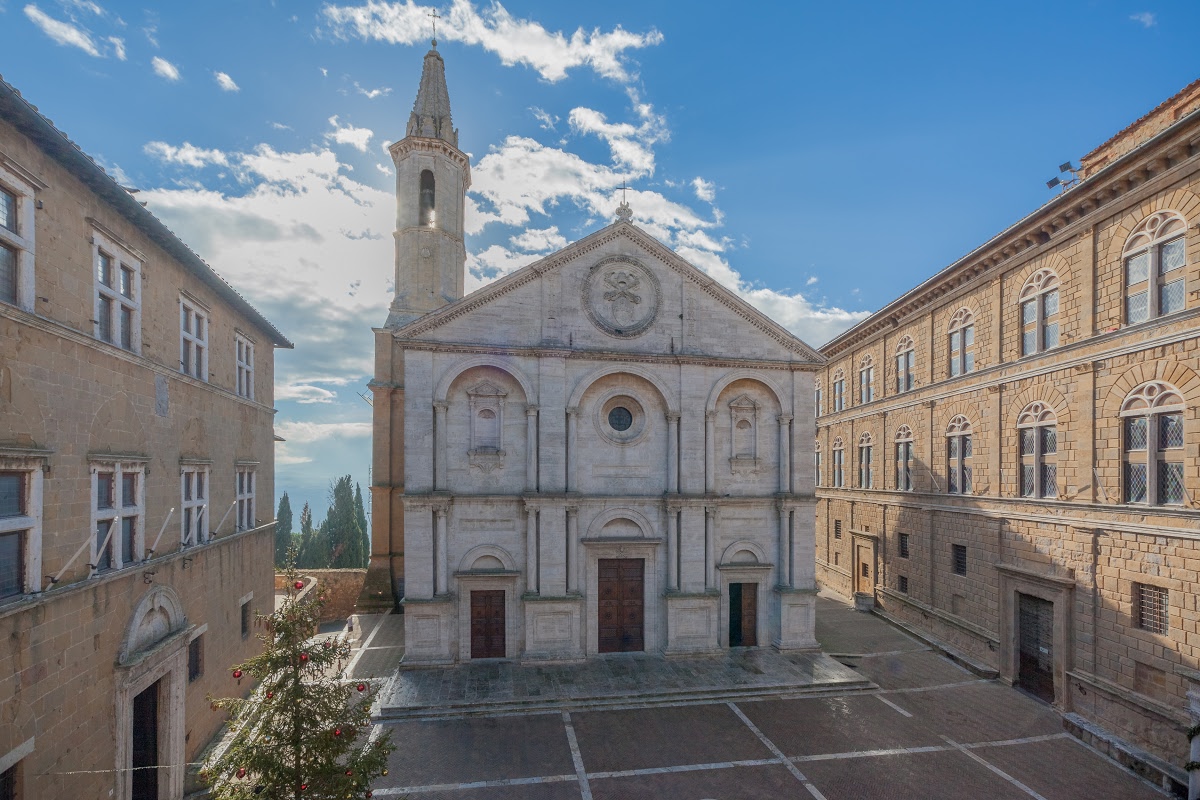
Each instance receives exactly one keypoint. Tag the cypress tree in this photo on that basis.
(283, 530)
(360, 513)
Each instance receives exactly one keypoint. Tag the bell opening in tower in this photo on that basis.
(428, 214)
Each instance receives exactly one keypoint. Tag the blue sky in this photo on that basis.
(820, 159)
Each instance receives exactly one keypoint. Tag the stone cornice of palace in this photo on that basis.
(567, 500)
(575, 354)
(1028, 368)
(1160, 160)
(590, 243)
(53, 327)
(440, 146)
(1052, 512)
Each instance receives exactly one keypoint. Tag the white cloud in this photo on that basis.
(536, 240)
(63, 33)
(186, 154)
(226, 83)
(309, 432)
(165, 69)
(812, 281)
(304, 393)
(545, 119)
(279, 126)
(355, 137)
(118, 45)
(705, 190)
(371, 94)
(151, 33)
(1145, 18)
(513, 40)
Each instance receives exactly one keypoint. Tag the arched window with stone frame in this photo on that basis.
(426, 200)
(1154, 258)
(866, 462)
(839, 462)
(904, 459)
(817, 398)
(866, 379)
(817, 463)
(1152, 446)
(905, 362)
(959, 452)
(839, 390)
(962, 342)
(1039, 312)
(1037, 434)
(486, 403)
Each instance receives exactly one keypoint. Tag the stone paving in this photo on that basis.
(929, 730)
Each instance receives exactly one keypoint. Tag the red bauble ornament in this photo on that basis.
(270, 695)
(370, 794)
(321, 597)
(328, 644)
(349, 772)
(337, 731)
(304, 656)
(241, 773)
(303, 786)
(362, 687)
(298, 585)
(237, 673)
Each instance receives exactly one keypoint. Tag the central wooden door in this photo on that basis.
(1035, 619)
(487, 624)
(743, 614)
(621, 589)
(145, 744)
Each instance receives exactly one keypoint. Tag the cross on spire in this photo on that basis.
(622, 187)
(624, 212)
(435, 17)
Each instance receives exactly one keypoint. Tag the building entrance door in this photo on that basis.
(864, 584)
(1035, 620)
(621, 592)
(145, 744)
(487, 624)
(743, 614)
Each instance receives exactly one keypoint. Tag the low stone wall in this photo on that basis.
(341, 588)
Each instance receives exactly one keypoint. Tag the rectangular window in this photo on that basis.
(117, 512)
(194, 496)
(16, 240)
(866, 384)
(866, 469)
(839, 395)
(245, 498)
(8, 210)
(904, 458)
(904, 545)
(118, 305)
(195, 658)
(904, 371)
(245, 367)
(838, 465)
(20, 524)
(246, 619)
(817, 466)
(8, 274)
(960, 559)
(904, 584)
(837, 529)
(193, 340)
(817, 401)
(1151, 608)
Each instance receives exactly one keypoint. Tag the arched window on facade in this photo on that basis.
(839, 462)
(962, 342)
(428, 216)
(904, 459)
(1037, 430)
(839, 390)
(486, 401)
(905, 354)
(817, 398)
(817, 462)
(866, 462)
(866, 379)
(1039, 312)
(1152, 422)
(1154, 259)
(959, 450)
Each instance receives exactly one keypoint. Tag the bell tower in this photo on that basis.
(432, 178)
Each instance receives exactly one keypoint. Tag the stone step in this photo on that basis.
(620, 700)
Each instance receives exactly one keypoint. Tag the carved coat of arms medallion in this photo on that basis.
(621, 296)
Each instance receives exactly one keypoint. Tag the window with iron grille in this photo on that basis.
(1037, 432)
(1151, 607)
(837, 529)
(1152, 446)
(960, 559)
(195, 658)
(1154, 258)
(904, 545)
(904, 584)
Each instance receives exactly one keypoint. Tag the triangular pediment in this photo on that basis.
(635, 292)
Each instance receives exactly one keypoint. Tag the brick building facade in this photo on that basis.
(136, 479)
(1008, 454)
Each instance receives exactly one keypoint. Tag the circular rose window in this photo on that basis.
(620, 419)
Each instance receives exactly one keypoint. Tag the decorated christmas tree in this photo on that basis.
(304, 732)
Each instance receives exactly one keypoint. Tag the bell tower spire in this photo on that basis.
(432, 178)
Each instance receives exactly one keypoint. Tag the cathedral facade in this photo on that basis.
(604, 451)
